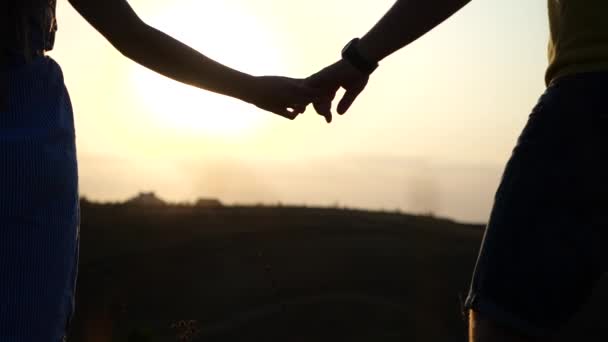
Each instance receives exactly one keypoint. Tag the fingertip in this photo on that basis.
(343, 110)
(286, 113)
(345, 104)
(299, 109)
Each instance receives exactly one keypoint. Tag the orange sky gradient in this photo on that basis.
(431, 133)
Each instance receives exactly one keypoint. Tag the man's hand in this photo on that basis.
(284, 96)
(329, 81)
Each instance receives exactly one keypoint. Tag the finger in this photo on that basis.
(305, 94)
(347, 100)
(323, 108)
(299, 108)
(286, 113)
(314, 92)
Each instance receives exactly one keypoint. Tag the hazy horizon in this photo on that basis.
(431, 133)
(460, 192)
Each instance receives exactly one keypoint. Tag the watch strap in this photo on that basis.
(351, 54)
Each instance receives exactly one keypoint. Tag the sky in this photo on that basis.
(431, 133)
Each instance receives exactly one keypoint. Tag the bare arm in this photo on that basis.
(405, 22)
(121, 26)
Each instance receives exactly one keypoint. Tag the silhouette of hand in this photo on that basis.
(330, 79)
(283, 96)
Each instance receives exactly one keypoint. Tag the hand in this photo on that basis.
(284, 96)
(330, 79)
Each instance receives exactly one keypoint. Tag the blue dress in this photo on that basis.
(39, 202)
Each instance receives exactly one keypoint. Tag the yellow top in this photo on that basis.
(579, 37)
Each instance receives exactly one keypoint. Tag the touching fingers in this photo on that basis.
(299, 108)
(287, 113)
(310, 93)
(301, 92)
(323, 108)
(323, 105)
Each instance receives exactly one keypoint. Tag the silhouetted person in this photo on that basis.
(39, 210)
(545, 244)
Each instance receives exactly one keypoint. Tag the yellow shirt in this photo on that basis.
(579, 37)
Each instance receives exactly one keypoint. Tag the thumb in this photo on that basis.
(347, 100)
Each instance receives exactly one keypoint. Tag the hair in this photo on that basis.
(17, 23)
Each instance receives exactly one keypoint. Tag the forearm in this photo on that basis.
(120, 25)
(171, 58)
(405, 22)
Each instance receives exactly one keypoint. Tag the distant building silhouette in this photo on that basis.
(209, 203)
(147, 199)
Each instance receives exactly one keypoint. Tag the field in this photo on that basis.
(278, 274)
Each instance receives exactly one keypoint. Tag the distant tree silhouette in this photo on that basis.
(146, 199)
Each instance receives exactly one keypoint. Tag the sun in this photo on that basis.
(227, 34)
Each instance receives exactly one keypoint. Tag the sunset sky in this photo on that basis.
(431, 133)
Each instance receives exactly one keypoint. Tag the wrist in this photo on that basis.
(346, 68)
(243, 87)
(361, 61)
(367, 50)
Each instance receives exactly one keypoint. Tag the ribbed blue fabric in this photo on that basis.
(39, 207)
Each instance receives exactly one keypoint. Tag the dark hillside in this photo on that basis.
(270, 274)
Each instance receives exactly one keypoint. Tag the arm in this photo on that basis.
(405, 22)
(121, 26)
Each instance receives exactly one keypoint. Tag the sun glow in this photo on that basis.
(228, 35)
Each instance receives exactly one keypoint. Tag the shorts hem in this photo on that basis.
(502, 317)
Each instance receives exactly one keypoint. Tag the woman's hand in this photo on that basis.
(283, 96)
(117, 21)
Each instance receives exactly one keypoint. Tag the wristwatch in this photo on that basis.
(351, 54)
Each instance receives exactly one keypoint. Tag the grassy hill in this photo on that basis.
(276, 274)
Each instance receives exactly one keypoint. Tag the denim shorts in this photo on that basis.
(544, 248)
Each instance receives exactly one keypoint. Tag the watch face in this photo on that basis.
(347, 46)
(351, 54)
